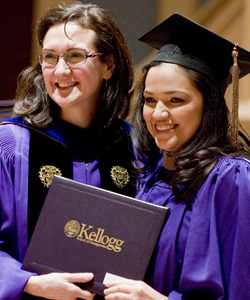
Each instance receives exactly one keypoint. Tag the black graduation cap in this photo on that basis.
(184, 42)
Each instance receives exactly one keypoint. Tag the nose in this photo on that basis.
(160, 111)
(61, 67)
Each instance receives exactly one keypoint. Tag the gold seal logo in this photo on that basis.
(120, 176)
(93, 236)
(47, 173)
(72, 228)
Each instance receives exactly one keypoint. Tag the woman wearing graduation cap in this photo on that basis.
(195, 164)
(69, 120)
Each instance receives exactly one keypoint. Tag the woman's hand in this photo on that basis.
(59, 286)
(131, 290)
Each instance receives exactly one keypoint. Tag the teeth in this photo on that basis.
(164, 127)
(66, 84)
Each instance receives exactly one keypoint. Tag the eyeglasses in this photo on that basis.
(72, 58)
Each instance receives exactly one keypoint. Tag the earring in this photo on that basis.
(47, 97)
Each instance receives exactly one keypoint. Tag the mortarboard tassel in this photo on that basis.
(235, 100)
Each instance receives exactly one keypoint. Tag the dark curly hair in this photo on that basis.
(32, 100)
(198, 157)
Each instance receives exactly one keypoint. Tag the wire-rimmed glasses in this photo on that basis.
(72, 58)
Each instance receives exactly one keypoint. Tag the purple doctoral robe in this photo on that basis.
(14, 189)
(203, 251)
(14, 159)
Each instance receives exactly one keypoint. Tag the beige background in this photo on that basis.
(228, 18)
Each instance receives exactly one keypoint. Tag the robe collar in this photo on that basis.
(52, 131)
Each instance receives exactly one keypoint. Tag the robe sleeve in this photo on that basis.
(12, 278)
(216, 259)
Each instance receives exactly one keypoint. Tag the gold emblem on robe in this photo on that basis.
(47, 173)
(120, 176)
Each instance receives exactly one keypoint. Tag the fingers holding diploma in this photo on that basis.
(127, 289)
(59, 286)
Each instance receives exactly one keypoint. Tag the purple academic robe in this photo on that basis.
(203, 251)
(14, 159)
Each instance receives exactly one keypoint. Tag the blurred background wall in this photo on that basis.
(18, 45)
(15, 42)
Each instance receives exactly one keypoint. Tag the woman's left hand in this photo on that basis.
(127, 289)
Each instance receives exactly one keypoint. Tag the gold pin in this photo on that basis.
(47, 173)
(120, 176)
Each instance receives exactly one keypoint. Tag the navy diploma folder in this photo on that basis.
(82, 228)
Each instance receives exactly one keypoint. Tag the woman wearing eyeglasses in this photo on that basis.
(68, 120)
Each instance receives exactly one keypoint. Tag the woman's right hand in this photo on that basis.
(59, 286)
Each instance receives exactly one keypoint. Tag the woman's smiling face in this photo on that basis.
(173, 106)
(76, 87)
